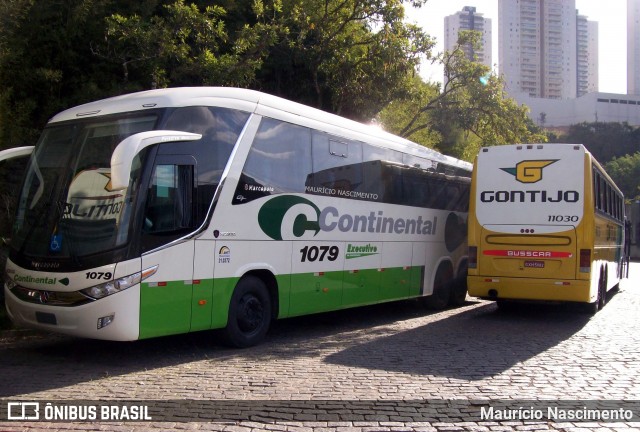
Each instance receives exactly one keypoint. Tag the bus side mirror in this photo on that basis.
(124, 153)
(15, 152)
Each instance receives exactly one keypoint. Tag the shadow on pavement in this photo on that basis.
(473, 342)
(471, 345)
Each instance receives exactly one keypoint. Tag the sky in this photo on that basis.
(611, 16)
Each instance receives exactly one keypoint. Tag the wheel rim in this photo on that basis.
(250, 314)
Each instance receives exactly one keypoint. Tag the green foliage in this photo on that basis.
(46, 63)
(350, 57)
(471, 110)
(58, 54)
(183, 46)
(605, 141)
(616, 146)
(397, 114)
(356, 58)
(625, 172)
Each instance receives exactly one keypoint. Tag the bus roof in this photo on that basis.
(529, 146)
(256, 102)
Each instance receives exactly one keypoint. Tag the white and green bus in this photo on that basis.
(186, 209)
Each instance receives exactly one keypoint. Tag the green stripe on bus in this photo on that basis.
(179, 306)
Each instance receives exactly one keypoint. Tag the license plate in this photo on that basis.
(534, 264)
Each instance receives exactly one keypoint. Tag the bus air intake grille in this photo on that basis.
(50, 298)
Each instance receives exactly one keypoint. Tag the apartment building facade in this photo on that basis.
(469, 19)
(538, 47)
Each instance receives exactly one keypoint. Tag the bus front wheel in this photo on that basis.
(249, 313)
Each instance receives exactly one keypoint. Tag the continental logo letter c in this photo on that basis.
(272, 214)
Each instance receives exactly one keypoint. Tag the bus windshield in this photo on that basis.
(66, 198)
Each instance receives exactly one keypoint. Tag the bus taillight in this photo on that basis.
(473, 257)
(585, 260)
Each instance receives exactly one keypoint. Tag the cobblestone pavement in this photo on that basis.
(399, 356)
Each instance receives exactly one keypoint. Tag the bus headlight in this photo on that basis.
(115, 286)
(112, 287)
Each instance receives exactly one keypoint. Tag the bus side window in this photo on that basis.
(598, 200)
(463, 204)
(378, 178)
(170, 205)
(337, 165)
(279, 161)
(220, 129)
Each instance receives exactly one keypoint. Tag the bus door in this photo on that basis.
(166, 298)
(508, 253)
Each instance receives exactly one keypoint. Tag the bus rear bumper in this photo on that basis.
(84, 320)
(505, 288)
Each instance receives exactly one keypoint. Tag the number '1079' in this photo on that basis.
(319, 253)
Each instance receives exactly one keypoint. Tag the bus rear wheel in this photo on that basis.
(459, 290)
(603, 288)
(441, 289)
(601, 298)
(249, 313)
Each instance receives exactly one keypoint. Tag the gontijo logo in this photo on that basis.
(529, 171)
(287, 216)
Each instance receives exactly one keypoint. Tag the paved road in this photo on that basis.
(388, 367)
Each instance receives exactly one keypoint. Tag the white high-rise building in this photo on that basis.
(469, 19)
(587, 55)
(633, 47)
(538, 47)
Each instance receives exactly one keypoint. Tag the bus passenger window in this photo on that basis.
(598, 192)
(337, 166)
(279, 161)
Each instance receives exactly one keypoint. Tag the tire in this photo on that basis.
(249, 313)
(459, 290)
(603, 290)
(593, 308)
(441, 289)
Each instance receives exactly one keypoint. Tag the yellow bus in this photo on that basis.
(546, 223)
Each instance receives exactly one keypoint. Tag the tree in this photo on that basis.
(46, 63)
(625, 172)
(185, 45)
(349, 57)
(400, 112)
(472, 102)
(605, 141)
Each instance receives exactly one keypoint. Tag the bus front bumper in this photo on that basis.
(505, 288)
(117, 316)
